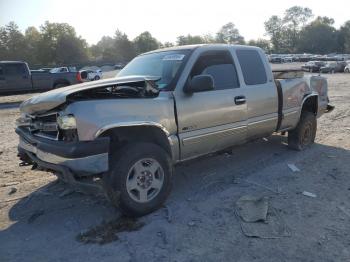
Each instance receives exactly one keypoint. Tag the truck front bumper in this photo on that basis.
(82, 158)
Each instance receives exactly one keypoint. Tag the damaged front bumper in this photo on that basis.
(329, 108)
(84, 158)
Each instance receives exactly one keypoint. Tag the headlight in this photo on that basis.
(66, 122)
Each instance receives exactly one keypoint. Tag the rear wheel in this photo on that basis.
(304, 134)
(97, 78)
(141, 174)
(347, 70)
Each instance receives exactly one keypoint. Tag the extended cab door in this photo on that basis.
(209, 121)
(17, 77)
(261, 92)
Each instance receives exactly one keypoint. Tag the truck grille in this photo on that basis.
(44, 126)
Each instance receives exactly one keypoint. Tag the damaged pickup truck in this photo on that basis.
(165, 107)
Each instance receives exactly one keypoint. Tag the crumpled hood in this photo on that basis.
(46, 101)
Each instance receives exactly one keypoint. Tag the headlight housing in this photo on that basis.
(67, 122)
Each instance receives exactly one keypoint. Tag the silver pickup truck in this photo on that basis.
(165, 107)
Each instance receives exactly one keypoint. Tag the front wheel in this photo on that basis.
(304, 134)
(141, 174)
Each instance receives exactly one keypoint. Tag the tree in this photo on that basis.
(59, 44)
(344, 38)
(189, 40)
(145, 42)
(32, 38)
(12, 42)
(229, 34)
(262, 43)
(124, 48)
(284, 32)
(319, 37)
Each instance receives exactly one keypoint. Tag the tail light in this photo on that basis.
(79, 79)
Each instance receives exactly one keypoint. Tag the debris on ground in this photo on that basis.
(35, 215)
(168, 213)
(12, 190)
(9, 184)
(305, 193)
(258, 219)
(343, 209)
(252, 209)
(191, 223)
(293, 167)
(278, 191)
(107, 231)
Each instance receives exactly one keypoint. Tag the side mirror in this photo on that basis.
(199, 83)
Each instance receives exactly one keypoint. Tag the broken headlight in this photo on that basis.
(66, 122)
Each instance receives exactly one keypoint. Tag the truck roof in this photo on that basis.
(11, 62)
(191, 47)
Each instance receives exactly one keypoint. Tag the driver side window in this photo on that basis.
(219, 65)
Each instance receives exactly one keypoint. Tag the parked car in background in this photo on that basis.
(119, 66)
(347, 67)
(313, 66)
(63, 69)
(94, 74)
(46, 69)
(15, 76)
(333, 67)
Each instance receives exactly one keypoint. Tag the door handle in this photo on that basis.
(239, 100)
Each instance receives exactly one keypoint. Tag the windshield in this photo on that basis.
(164, 65)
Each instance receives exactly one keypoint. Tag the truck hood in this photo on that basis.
(46, 101)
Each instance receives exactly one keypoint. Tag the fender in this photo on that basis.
(131, 124)
(172, 138)
(313, 94)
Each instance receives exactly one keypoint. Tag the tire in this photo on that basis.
(96, 78)
(305, 132)
(347, 70)
(141, 190)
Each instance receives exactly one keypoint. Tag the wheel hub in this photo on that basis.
(145, 179)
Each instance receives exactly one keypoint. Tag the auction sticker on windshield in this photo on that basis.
(174, 57)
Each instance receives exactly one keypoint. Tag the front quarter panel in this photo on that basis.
(95, 116)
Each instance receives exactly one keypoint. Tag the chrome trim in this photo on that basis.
(131, 124)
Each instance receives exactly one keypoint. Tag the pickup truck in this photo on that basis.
(165, 107)
(16, 77)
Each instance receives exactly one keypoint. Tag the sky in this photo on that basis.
(164, 19)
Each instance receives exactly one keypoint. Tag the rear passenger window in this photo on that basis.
(219, 65)
(252, 67)
(15, 69)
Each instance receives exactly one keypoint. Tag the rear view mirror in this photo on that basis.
(199, 83)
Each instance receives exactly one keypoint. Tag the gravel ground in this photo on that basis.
(40, 221)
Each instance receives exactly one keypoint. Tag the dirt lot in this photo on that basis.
(40, 221)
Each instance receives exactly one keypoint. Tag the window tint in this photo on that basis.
(220, 66)
(15, 69)
(252, 67)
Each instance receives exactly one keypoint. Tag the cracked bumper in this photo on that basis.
(82, 158)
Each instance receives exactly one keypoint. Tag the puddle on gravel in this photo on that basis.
(107, 231)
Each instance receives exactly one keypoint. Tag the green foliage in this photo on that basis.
(262, 43)
(229, 34)
(145, 42)
(190, 40)
(319, 36)
(58, 43)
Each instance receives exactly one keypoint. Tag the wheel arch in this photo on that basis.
(310, 103)
(123, 133)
